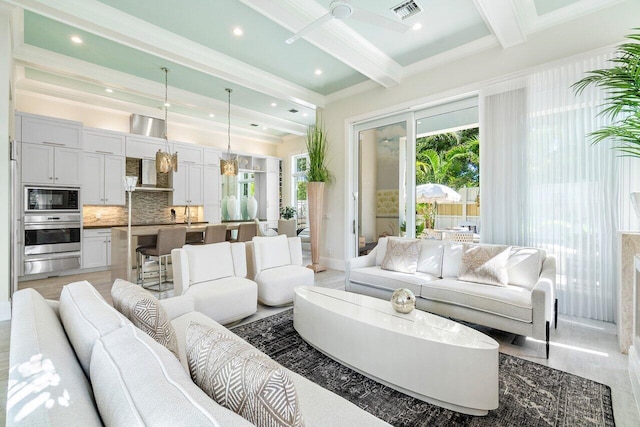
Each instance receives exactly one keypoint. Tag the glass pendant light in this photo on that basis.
(229, 167)
(165, 161)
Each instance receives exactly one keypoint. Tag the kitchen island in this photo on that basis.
(119, 243)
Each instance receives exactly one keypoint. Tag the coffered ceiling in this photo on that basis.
(277, 86)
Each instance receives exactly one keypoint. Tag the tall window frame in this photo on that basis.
(298, 199)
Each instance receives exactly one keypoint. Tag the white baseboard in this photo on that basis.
(333, 263)
(634, 371)
(5, 310)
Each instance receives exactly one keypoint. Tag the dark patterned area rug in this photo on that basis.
(530, 394)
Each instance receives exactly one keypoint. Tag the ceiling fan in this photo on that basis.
(345, 10)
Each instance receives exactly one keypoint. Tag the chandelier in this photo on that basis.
(165, 161)
(229, 167)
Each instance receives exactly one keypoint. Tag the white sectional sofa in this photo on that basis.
(215, 275)
(82, 363)
(526, 305)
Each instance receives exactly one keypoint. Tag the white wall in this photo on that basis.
(463, 76)
(5, 171)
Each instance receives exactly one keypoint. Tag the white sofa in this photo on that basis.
(215, 276)
(527, 305)
(81, 363)
(275, 263)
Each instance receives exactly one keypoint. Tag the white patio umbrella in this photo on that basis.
(436, 193)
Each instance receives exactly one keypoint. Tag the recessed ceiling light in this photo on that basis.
(212, 115)
(273, 104)
(264, 128)
(304, 115)
(237, 31)
(166, 104)
(76, 39)
(417, 26)
(419, 122)
(108, 90)
(318, 71)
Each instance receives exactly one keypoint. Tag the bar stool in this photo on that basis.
(144, 242)
(246, 232)
(215, 233)
(168, 239)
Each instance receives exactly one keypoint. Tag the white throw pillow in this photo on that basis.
(402, 255)
(209, 262)
(484, 264)
(430, 260)
(272, 251)
(524, 266)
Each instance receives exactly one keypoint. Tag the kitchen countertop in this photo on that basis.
(89, 227)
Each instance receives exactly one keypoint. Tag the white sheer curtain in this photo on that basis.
(543, 184)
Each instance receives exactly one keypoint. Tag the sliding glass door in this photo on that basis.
(380, 197)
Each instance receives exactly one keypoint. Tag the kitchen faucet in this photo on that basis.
(187, 213)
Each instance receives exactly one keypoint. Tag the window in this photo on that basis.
(299, 165)
(246, 185)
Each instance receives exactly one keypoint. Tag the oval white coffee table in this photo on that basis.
(420, 354)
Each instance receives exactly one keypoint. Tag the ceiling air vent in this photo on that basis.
(406, 9)
(293, 110)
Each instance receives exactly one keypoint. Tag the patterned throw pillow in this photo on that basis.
(145, 312)
(402, 255)
(484, 264)
(242, 379)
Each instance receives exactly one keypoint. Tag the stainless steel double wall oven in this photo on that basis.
(52, 229)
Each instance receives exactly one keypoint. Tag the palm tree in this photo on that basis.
(622, 83)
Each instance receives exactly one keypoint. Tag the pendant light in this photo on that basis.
(165, 161)
(229, 167)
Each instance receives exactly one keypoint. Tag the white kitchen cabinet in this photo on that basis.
(144, 147)
(52, 165)
(211, 157)
(50, 131)
(211, 185)
(268, 187)
(102, 179)
(273, 165)
(188, 153)
(96, 248)
(104, 142)
(187, 185)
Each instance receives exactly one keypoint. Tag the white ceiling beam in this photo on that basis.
(502, 18)
(110, 23)
(80, 70)
(334, 38)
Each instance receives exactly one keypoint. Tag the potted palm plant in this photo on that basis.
(622, 103)
(317, 175)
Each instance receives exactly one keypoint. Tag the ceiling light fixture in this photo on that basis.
(318, 72)
(229, 167)
(108, 90)
(417, 26)
(273, 104)
(212, 115)
(76, 39)
(165, 161)
(237, 31)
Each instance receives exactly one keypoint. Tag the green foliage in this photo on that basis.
(317, 148)
(288, 212)
(301, 190)
(450, 158)
(622, 103)
(419, 228)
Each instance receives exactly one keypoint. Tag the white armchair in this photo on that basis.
(275, 263)
(214, 276)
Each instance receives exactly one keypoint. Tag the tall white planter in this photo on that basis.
(233, 207)
(252, 207)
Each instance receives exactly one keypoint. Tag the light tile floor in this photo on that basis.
(580, 346)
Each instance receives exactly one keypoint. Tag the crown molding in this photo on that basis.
(110, 23)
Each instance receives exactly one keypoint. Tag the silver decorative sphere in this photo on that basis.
(403, 300)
